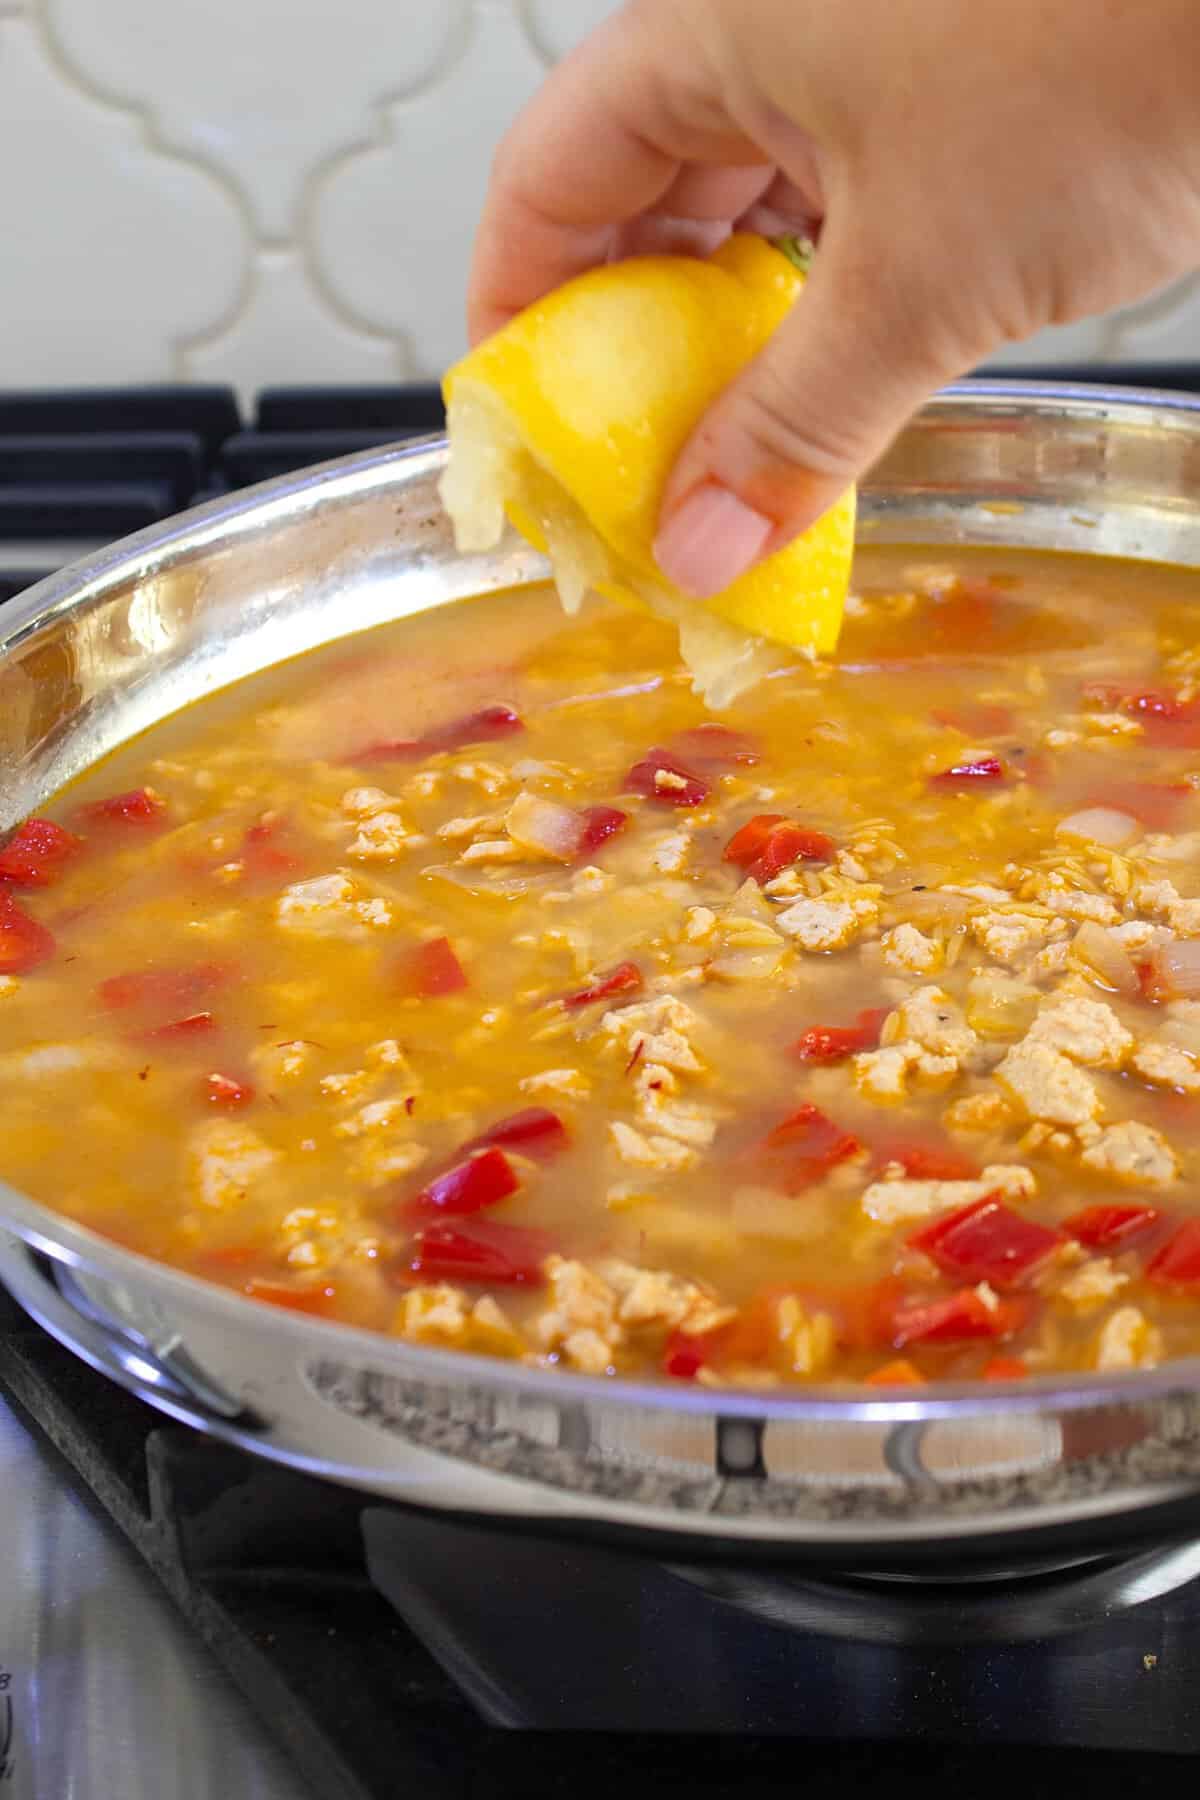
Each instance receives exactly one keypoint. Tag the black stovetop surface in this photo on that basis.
(575, 1663)
(502, 1665)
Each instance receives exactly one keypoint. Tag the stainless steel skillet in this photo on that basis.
(102, 650)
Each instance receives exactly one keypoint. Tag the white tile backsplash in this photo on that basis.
(266, 191)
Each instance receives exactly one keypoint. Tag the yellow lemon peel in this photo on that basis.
(568, 421)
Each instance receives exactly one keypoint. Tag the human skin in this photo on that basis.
(974, 170)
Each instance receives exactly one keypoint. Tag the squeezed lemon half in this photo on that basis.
(568, 421)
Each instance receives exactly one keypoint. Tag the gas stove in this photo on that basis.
(372, 1650)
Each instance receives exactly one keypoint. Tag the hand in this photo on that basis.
(974, 171)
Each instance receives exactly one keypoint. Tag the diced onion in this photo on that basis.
(544, 828)
(1103, 959)
(930, 907)
(1179, 965)
(1100, 825)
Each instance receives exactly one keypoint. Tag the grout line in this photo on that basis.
(142, 119)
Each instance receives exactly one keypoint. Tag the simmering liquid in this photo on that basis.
(470, 983)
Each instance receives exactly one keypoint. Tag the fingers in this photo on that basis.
(606, 139)
(809, 415)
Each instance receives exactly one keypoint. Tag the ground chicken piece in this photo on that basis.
(580, 1324)
(883, 1075)
(698, 924)
(1051, 961)
(807, 1341)
(987, 1111)
(492, 778)
(329, 906)
(1135, 1153)
(1087, 1031)
(655, 1078)
(345, 1087)
(1167, 1064)
(388, 1054)
(931, 1019)
(454, 831)
(1056, 892)
(1094, 1281)
(663, 1154)
(1008, 936)
(1127, 1340)
(910, 951)
(288, 1061)
(1134, 934)
(225, 1160)
(686, 1122)
(669, 854)
(1111, 724)
(654, 1297)
(443, 1314)
(381, 838)
(895, 1202)
(659, 1028)
(380, 1159)
(377, 1115)
(572, 1083)
(827, 924)
(1047, 1085)
(492, 850)
(361, 802)
(1163, 900)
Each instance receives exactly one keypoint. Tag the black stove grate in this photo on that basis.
(84, 466)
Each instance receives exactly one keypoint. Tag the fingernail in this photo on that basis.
(710, 539)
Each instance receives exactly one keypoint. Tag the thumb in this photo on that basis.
(857, 355)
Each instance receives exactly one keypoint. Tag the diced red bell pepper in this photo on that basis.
(178, 1031)
(834, 1043)
(929, 1162)
(957, 1319)
(319, 1301)
(599, 824)
(986, 1241)
(164, 989)
(484, 726)
(469, 1186)
(967, 774)
(1177, 1264)
(265, 853)
(683, 787)
(626, 978)
(976, 720)
(225, 1090)
(1005, 1368)
(429, 970)
(535, 1132)
(36, 852)
(769, 843)
(486, 1255)
(138, 807)
(683, 1356)
(1168, 722)
(1102, 1227)
(711, 748)
(804, 1147)
(24, 943)
(898, 1373)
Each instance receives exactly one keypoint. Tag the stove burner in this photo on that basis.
(1031, 1601)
